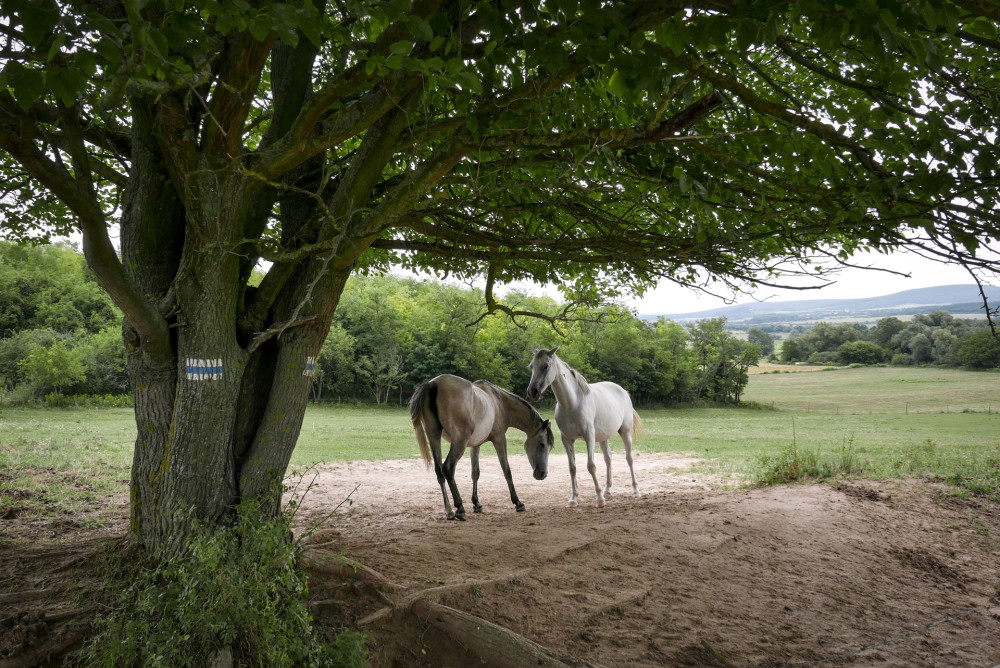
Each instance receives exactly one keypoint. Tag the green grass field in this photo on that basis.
(875, 423)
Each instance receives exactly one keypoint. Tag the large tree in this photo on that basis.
(587, 144)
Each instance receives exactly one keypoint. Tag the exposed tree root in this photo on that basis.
(344, 567)
(29, 595)
(43, 655)
(496, 646)
(407, 601)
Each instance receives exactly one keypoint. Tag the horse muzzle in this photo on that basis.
(541, 475)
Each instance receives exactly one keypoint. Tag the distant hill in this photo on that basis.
(955, 299)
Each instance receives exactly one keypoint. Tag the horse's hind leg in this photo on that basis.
(475, 481)
(435, 443)
(448, 468)
(627, 440)
(606, 449)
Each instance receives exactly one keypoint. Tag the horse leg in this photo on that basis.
(501, 446)
(592, 469)
(568, 444)
(627, 440)
(475, 481)
(448, 468)
(435, 443)
(607, 465)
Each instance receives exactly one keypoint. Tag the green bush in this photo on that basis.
(53, 400)
(236, 590)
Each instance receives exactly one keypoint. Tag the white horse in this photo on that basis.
(592, 412)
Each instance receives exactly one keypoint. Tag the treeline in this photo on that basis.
(60, 335)
(59, 332)
(935, 338)
(391, 334)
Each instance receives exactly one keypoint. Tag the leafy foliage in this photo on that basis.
(639, 139)
(933, 338)
(58, 330)
(432, 328)
(251, 601)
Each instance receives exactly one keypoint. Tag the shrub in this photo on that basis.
(860, 352)
(237, 590)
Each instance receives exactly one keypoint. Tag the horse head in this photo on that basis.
(537, 447)
(543, 372)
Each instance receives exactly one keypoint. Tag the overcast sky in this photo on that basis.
(669, 298)
(850, 284)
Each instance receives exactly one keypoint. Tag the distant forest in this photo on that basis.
(60, 337)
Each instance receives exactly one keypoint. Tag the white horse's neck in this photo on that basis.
(565, 387)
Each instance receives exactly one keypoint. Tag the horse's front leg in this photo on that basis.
(606, 449)
(592, 469)
(475, 480)
(448, 468)
(568, 444)
(501, 446)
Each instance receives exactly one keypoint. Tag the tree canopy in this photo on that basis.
(550, 141)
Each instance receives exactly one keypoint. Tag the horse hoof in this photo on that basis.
(571, 503)
(477, 509)
(600, 503)
(520, 507)
(451, 516)
(460, 516)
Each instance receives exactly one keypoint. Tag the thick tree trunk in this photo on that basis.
(218, 420)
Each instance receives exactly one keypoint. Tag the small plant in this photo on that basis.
(237, 591)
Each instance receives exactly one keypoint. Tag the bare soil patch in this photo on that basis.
(689, 574)
(855, 574)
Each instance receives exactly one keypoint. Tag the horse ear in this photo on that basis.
(553, 351)
(535, 351)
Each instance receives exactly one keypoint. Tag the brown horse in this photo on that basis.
(467, 415)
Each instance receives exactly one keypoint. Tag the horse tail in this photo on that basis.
(426, 394)
(636, 424)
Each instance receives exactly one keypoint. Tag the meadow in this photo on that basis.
(861, 422)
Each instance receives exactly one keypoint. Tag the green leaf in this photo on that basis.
(617, 85)
(401, 48)
(27, 85)
(260, 27)
(110, 51)
(38, 20)
(66, 84)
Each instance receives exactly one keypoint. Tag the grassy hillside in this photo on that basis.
(875, 390)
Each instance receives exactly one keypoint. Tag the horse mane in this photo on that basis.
(580, 380)
(535, 415)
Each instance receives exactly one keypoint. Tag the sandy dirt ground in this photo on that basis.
(688, 574)
(691, 573)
